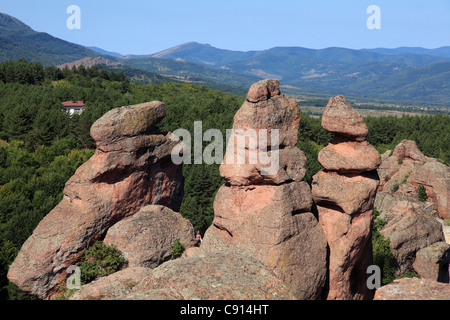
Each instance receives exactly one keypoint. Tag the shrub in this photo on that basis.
(177, 248)
(394, 188)
(422, 193)
(100, 260)
(382, 252)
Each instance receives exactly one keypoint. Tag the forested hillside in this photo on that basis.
(41, 146)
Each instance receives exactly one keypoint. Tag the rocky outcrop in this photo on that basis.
(89, 62)
(344, 193)
(145, 238)
(405, 168)
(408, 228)
(131, 168)
(411, 224)
(114, 286)
(414, 289)
(268, 216)
(433, 262)
(212, 276)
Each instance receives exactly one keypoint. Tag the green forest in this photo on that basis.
(41, 146)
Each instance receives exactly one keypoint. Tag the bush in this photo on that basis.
(422, 193)
(394, 188)
(99, 261)
(382, 252)
(177, 248)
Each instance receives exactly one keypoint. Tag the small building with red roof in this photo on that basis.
(74, 107)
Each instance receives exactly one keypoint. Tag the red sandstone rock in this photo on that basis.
(344, 193)
(129, 170)
(263, 90)
(145, 238)
(414, 289)
(349, 240)
(413, 170)
(291, 166)
(277, 112)
(351, 193)
(225, 275)
(339, 117)
(349, 156)
(268, 216)
(407, 149)
(433, 262)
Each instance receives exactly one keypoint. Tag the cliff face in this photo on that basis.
(130, 169)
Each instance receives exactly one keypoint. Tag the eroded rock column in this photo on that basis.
(131, 168)
(344, 193)
(267, 215)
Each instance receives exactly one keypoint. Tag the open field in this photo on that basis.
(317, 111)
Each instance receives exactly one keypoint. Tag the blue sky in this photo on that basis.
(144, 27)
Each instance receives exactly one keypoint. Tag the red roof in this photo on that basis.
(73, 104)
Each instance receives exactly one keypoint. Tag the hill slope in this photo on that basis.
(17, 40)
(416, 75)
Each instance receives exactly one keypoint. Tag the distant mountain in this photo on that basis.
(208, 55)
(89, 62)
(393, 74)
(412, 75)
(438, 52)
(17, 40)
(105, 52)
(190, 72)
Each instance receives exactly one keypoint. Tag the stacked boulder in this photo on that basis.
(344, 193)
(267, 215)
(131, 168)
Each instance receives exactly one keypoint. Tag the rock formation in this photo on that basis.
(411, 223)
(131, 168)
(268, 216)
(212, 276)
(145, 238)
(405, 168)
(344, 193)
(433, 262)
(413, 289)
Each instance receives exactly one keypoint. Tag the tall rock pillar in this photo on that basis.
(344, 193)
(267, 215)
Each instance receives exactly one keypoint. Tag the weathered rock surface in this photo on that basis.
(344, 193)
(408, 227)
(408, 168)
(342, 155)
(407, 150)
(340, 117)
(269, 111)
(145, 238)
(414, 289)
(411, 224)
(213, 276)
(113, 286)
(131, 168)
(268, 217)
(433, 262)
(349, 192)
(291, 167)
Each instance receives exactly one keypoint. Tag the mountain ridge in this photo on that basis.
(304, 71)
